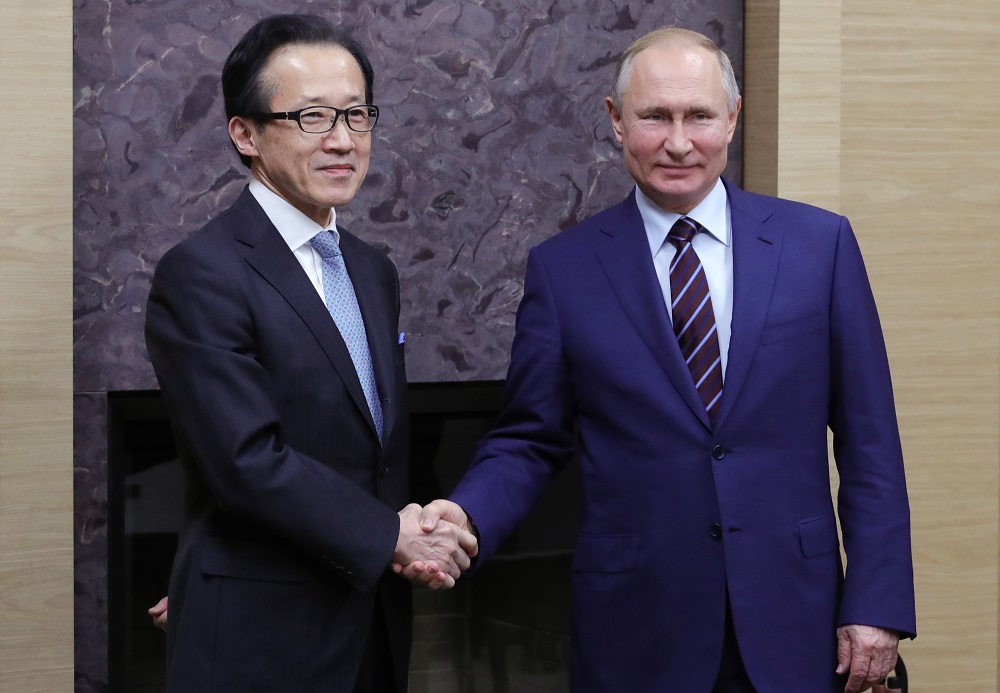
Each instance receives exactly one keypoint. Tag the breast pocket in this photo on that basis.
(796, 327)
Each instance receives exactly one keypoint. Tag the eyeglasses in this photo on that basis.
(319, 119)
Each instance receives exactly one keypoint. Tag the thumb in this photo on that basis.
(430, 515)
(158, 608)
(843, 651)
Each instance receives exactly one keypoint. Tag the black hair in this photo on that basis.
(243, 87)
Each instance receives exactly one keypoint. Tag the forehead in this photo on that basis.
(676, 72)
(314, 68)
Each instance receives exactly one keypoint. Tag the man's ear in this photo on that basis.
(243, 135)
(616, 119)
(733, 117)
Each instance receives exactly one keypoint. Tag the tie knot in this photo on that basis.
(683, 231)
(325, 244)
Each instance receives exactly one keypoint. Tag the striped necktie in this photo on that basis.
(342, 303)
(693, 316)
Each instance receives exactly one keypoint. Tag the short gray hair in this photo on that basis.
(675, 36)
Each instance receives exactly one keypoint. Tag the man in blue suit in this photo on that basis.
(274, 335)
(708, 557)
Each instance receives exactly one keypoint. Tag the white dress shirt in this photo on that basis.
(715, 250)
(297, 230)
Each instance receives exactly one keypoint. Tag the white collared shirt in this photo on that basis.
(297, 230)
(715, 250)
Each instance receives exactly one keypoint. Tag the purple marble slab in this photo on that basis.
(493, 137)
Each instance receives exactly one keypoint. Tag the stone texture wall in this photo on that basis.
(493, 137)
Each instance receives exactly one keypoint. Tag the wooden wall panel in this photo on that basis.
(36, 464)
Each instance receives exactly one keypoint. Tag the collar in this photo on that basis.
(295, 227)
(712, 213)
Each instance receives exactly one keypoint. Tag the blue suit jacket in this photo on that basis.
(290, 515)
(674, 509)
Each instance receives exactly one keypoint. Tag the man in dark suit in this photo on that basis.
(693, 344)
(274, 336)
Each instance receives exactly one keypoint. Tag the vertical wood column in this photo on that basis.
(36, 369)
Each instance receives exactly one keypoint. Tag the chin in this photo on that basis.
(340, 197)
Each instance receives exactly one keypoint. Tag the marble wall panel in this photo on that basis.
(493, 137)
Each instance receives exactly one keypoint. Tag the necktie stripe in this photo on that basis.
(694, 316)
(699, 315)
(702, 343)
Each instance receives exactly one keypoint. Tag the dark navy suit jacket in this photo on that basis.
(290, 517)
(674, 508)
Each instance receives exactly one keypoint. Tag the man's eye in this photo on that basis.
(313, 116)
(358, 115)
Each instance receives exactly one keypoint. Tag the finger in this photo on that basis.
(469, 544)
(430, 515)
(453, 567)
(412, 571)
(159, 607)
(462, 560)
(441, 581)
(859, 673)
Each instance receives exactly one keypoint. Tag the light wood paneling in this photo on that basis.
(792, 100)
(916, 151)
(809, 85)
(36, 464)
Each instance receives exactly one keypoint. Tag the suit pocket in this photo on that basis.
(243, 559)
(819, 536)
(790, 329)
(607, 554)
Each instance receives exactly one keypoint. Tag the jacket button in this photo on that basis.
(383, 470)
(718, 453)
(715, 530)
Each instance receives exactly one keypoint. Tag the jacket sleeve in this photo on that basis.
(872, 499)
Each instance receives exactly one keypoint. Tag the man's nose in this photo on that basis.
(338, 138)
(677, 142)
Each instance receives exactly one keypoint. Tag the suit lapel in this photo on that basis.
(623, 250)
(270, 256)
(756, 250)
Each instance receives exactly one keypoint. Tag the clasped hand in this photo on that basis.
(434, 545)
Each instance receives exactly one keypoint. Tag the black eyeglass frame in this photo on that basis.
(338, 112)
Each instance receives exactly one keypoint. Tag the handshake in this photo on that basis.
(435, 544)
(433, 548)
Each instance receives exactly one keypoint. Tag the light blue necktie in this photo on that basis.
(342, 303)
